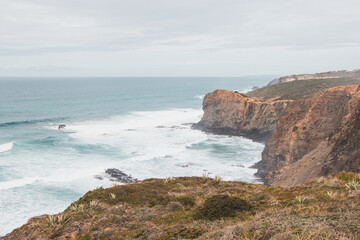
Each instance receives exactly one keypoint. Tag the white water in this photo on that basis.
(6, 147)
(162, 144)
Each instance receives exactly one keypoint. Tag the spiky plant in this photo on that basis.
(112, 195)
(94, 204)
(217, 178)
(330, 194)
(81, 207)
(51, 220)
(352, 186)
(300, 199)
(74, 207)
(61, 219)
(169, 179)
(205, 175)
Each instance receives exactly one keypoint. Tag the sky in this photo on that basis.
(177, 38)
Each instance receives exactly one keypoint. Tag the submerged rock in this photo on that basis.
(119, 176)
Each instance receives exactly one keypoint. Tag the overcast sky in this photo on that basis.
(177, 37)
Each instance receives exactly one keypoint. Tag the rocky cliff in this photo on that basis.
(315, 136)
(227, 112)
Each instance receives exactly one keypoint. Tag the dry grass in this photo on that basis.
(153, 209)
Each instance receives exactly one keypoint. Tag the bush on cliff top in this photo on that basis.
(299, 89)
(219, 206)
(182, 233)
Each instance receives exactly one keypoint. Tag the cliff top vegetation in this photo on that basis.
(205, 208)
(298, 89)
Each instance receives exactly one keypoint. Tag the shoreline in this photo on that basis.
(253, 136)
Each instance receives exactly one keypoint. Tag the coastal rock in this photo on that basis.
(119, 176)
(315, 136)
(232, 113)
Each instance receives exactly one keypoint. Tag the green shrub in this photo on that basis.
(86, 237)
(218, 206)
(149, 193)
(186, 201)
(182, 233)
(347, 176)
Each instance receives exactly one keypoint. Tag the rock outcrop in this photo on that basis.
(315, 136)
(232, 113)
(118, 176)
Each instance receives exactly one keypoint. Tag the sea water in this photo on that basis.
(141, 126)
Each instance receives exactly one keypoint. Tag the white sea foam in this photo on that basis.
(200, 96)
(18, 183)
(162, 143)
(245, 90)
(6, 147)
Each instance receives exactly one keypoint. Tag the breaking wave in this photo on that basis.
(6, 147)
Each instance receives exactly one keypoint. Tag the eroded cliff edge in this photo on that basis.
(315, 136)
(232, 113)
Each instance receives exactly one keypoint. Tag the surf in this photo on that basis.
(6, 147)
(30, 122)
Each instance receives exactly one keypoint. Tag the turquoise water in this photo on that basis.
(138, 125)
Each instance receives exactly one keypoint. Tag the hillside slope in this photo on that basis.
(204, 208)
(298, 89)
(324, 75)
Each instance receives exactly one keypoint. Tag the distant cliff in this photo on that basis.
(294, 90)
(315, 136)
(227, 112)
(324, 75)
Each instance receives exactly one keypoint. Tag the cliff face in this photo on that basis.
(227, 112)
(315, 136)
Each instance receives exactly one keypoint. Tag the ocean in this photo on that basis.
(140, 126)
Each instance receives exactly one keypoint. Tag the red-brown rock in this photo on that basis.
(315, 136)
(232, 113)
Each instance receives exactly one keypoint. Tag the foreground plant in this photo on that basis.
(300, 199)
(112, 195)
(205, 175)
(94, 204)
(76, 207)
(53, 220)
(352, 186)
(330, 194)
(169, 179)
(217, 178)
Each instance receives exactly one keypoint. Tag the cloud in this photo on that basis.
(43, 31)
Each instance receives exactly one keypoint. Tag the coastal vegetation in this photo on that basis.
(205, 208)
(298, 89)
